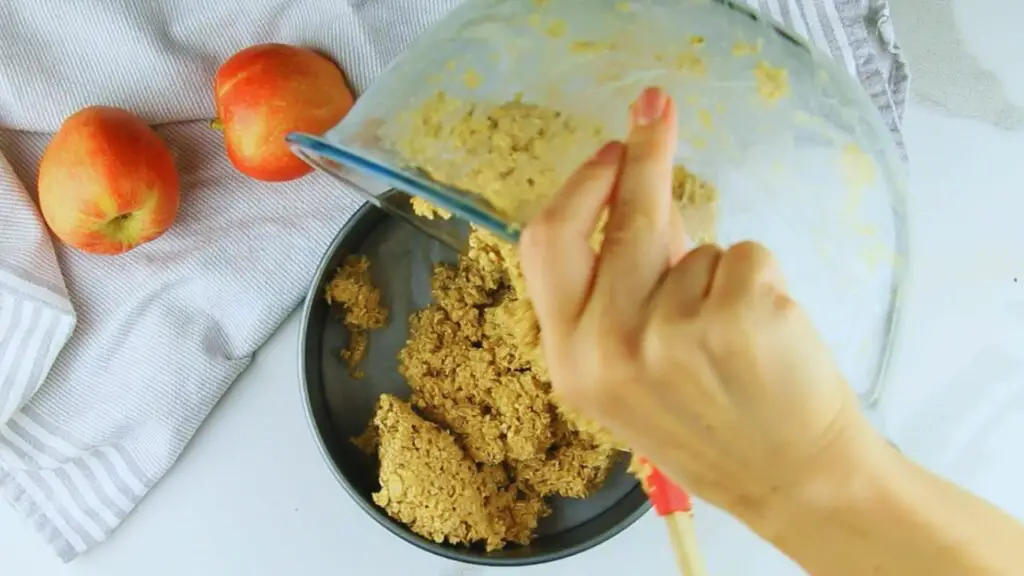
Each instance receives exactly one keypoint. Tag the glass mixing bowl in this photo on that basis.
(490, 109)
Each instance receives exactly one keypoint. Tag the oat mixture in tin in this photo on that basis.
(353, 290)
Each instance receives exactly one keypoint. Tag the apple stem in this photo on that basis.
(216, 124)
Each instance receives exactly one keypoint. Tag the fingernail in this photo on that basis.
(608, 153)
(649, 106)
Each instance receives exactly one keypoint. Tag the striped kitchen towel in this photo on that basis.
(91, 419)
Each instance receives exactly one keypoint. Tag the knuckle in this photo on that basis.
(752, 255)
(706, 250)
(747, 252)
(700, 265)
(759, 266)
(783, 303)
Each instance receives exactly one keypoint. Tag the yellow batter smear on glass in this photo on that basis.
(590, 48)
(706, 120)
(556, 29)
(859, 170)
(690, 63)
(471, 79)
(743, 48)
(772, 83)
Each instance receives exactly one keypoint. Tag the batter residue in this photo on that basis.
(359, 299)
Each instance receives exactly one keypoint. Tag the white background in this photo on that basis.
(251, 495)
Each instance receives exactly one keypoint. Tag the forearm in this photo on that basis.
(881, 514)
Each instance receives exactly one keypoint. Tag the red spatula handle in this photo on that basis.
(673, 504)
(665, 495)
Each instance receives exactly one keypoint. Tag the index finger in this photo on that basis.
(555, 252)
(641, 237)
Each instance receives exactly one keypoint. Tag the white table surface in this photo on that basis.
(251, 495)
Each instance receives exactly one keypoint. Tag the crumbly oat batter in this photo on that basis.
(495, 149)
(473, 378)
(421, 207)
(574, 466)
(698, 203)
(430, 484)
(473, 358)
(463, 372)
(359, 299)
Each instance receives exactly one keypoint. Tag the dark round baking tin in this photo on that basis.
(338, 408)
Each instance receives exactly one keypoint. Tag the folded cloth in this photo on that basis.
(91, 420)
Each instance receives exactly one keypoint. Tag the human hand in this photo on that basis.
(697, 359)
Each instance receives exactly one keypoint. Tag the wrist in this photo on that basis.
(865, 509)
(856, 472)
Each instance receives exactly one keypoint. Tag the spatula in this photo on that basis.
(674, 505)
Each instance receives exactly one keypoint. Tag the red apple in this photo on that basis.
(266, 91)
(107, 182)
